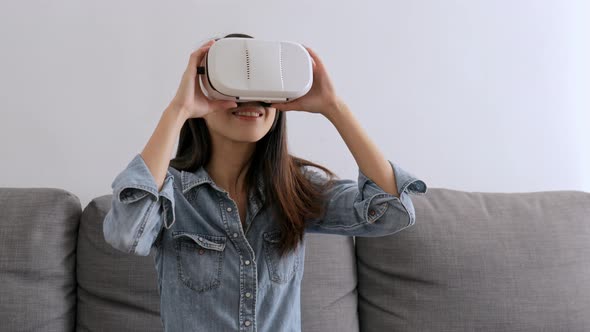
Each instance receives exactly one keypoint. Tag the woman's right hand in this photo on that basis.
(190, 98)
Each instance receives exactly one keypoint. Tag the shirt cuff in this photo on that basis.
(377, 204)
(136, 182)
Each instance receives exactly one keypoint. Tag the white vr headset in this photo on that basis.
(248, 69)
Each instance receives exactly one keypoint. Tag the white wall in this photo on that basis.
(469, 95)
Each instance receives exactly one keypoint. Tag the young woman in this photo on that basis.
(227, 215)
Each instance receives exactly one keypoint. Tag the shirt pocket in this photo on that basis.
(281, 269)
(199, 259)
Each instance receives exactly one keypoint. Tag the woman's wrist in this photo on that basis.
(177, 111)
(336, 109)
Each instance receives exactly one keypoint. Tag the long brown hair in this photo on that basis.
(289, 193)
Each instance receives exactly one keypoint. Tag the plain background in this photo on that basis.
(488, 96)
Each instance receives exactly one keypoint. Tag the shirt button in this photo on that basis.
(247, 323)
(247, 294)
(372, 212)
(228, 209)
(247, 262)
(201, 251)
(235, 234)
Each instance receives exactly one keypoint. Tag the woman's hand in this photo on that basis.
(189, 97)
(321, 98)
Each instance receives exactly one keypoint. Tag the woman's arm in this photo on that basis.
(368, 157)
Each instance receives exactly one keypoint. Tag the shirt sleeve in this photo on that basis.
(363, 209)
(138, 211)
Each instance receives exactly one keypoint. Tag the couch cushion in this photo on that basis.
(481, 261)
(38, 233)
(118, 291)
(328, 287)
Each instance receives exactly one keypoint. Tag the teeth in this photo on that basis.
(254, 114)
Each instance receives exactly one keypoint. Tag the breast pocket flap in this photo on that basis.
(213, 242)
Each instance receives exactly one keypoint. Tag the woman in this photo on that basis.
(227, 215)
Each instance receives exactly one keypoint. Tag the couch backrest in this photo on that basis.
(481, 262)
(38, 234)
(472, 261)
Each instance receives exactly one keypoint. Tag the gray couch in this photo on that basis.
(472, 262)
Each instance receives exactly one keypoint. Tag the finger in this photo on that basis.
(196, 57)
(202, 49)
(315, 57)
(283, 106)
(198, 90)
(222, 105)
(226, 104)
(216, 105)
(207, 43)
(277, 106)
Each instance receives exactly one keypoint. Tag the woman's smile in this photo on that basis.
(248, 116)
(248, 113)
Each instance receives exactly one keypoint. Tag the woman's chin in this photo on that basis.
(247, 137)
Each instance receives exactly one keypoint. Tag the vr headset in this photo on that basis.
(248, 69)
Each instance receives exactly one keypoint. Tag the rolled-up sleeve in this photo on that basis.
(362, 208)
(138, 210)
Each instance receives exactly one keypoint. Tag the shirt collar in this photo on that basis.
(194, 179)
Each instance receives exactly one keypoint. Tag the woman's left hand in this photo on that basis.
(321, 98)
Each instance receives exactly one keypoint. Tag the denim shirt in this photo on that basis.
(215, 276)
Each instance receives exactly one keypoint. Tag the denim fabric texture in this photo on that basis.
(214, 275)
